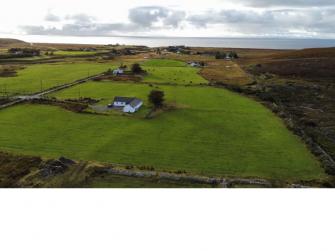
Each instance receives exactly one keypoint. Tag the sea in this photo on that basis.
(253, 43)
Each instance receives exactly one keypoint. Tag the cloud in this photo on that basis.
(81, 18)
(175, 18)
(52, 18)
(229, 17)
(105, 29)
(316, 21)
(141, 19)
(149, 15)
(284, 22)
(287, 3)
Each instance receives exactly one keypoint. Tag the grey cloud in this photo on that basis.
(284, 22)
(52, 18)
(141, 19)
(81, 18)
(82, 30)
(287, 3)
(175, 18)
(147, 16)
(231, 16)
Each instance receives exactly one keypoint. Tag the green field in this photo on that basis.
(43, 76)
(214, 132)
(163, 63)
(171, 72)
(105, 91)
(76, 53)
(174, 75)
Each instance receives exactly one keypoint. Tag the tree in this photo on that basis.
(220, 55)
(136, 69)
(234, 54)
(156, 98)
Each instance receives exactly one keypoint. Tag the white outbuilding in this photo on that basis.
(118, 72)
(129, 105)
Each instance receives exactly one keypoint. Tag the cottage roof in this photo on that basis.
(135, 102)
(129, 101)
(126, 100)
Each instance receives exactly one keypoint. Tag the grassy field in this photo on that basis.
(214, 132)
(76, 53)
(34, 77)
(163, 63)
(167, 71)
(105, 91)
(174, 75)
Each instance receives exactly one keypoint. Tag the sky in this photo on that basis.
(182, 18)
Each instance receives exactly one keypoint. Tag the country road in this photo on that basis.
(20, 99)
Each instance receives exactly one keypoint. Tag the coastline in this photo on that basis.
(245, 43)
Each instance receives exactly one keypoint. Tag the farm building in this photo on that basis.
(129, 105)
(118, 71)
(194, 64)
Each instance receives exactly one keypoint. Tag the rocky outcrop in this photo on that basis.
(55, 167)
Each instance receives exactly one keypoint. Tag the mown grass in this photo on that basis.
(39, 77)
(75, 53)
(214, 132)
(174, 75)
(166, 71)
(163, 63)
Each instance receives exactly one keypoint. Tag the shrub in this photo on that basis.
(136, 69)
(156, 98)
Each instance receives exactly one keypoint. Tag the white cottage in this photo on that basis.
(130, 105)
(118, 72)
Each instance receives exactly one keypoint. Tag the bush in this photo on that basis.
(136, 69)
(220, 55)
(156, 98)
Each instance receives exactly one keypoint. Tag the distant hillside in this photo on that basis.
(307, 53)
(6, 42)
